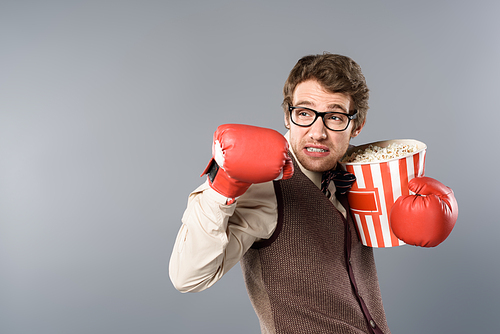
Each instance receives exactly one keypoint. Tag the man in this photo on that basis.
(304, 267)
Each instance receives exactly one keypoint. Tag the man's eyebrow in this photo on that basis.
(331, 107)
(304, 103)
(337, 106)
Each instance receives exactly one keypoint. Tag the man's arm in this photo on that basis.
(215, 236)
(216, 230)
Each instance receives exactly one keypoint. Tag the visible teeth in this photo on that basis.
(314, 149)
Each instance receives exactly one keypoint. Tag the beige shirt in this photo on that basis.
(215, 236)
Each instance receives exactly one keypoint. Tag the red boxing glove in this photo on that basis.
(427, 218)
(245, 154)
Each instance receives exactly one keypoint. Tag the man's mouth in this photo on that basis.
(315, 149)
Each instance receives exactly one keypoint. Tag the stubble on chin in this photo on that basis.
(319, 165)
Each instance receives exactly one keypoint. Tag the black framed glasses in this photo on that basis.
(335, 121)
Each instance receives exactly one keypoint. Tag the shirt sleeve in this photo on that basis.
(214, 236)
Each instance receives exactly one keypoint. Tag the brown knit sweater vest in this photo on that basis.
(307, 277)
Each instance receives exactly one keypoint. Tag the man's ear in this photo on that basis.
(356, 131)
(287, 120)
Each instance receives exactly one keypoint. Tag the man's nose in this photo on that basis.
(318, 129)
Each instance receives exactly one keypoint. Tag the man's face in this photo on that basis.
(317, 148)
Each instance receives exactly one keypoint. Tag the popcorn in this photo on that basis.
(374, 153)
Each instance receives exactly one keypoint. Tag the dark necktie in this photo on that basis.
(343, 181)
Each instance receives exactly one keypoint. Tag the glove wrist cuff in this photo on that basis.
(223, 184)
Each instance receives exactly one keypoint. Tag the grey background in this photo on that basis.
(107, 110)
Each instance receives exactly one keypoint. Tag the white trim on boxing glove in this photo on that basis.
(218, 154)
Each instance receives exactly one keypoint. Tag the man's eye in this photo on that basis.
(304, 113)
(334, 118)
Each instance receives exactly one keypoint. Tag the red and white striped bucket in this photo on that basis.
(377, 186)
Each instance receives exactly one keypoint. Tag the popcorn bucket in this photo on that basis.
(378, 185)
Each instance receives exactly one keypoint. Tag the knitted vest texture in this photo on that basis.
(298, 280)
